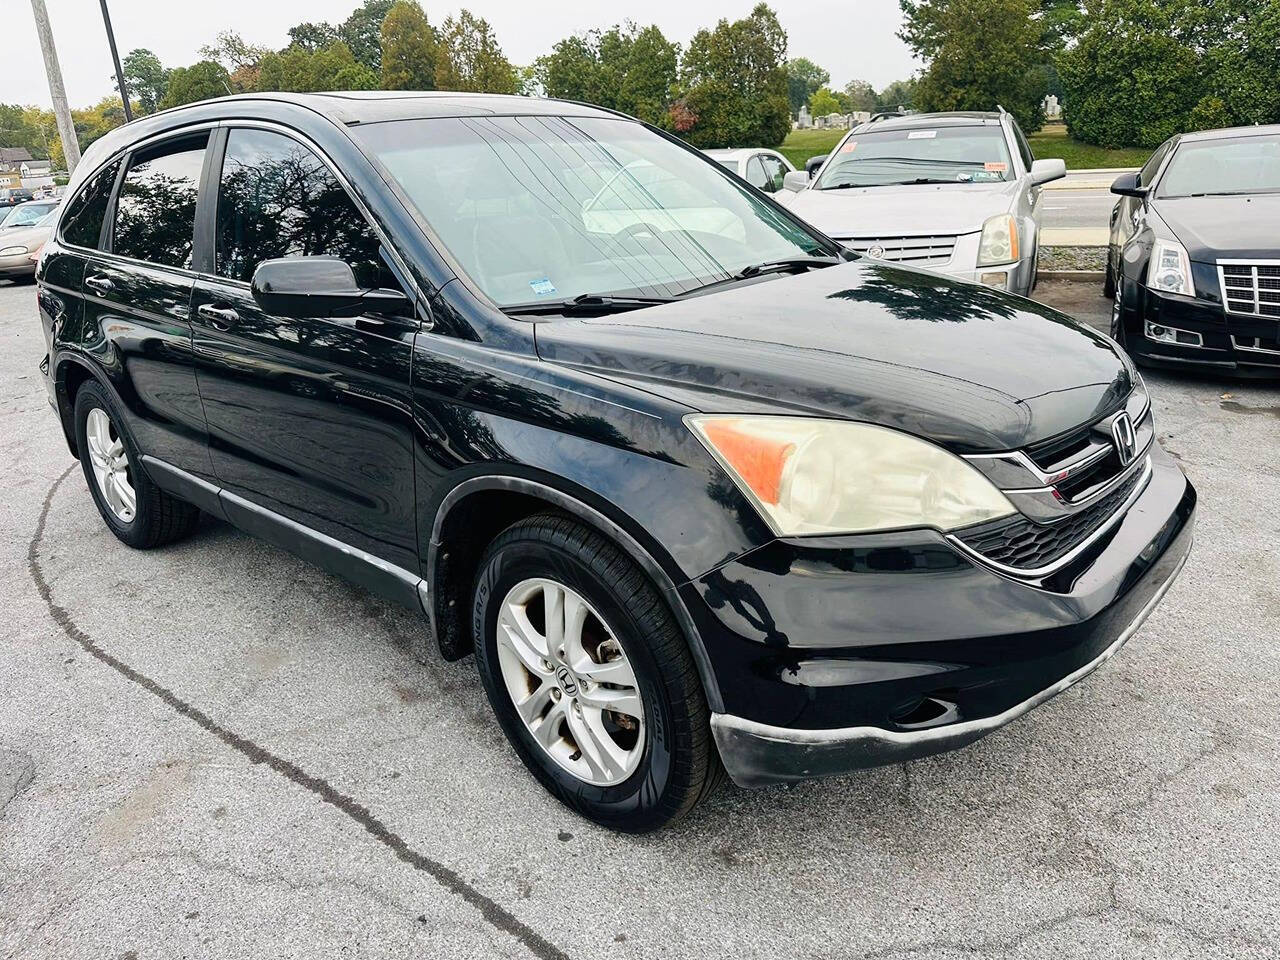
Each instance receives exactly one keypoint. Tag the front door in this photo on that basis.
(310, 419)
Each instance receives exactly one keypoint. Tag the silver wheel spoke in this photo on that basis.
(553, 614)
(518, 635)
(547, 730)
(620, 700)
(607, 760)
(110, 463)
(533, 705)
(617, 672)
(575, 615)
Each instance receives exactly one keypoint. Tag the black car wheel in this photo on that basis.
(1109, 281)
(590, 676)
(135, 509)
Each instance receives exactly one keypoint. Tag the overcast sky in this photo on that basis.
(853, 39)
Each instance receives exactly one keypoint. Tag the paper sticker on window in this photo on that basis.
(849, 146)
(922, 134)
(542, 287)
(995, 167)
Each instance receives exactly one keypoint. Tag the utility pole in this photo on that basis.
(66, 129)
(115, 58)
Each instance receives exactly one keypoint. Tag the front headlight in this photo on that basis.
(810, 476)
(12, 251)
(999, 243)
(1170, 269)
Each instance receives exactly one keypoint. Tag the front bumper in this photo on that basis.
(911, 651)
(1205, 335)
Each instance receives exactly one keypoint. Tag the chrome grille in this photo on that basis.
(919, 251)
(1251, 288)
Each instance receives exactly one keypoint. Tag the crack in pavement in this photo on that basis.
(496, 915)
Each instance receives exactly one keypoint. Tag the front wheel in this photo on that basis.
(590, 676)
(1117, 315)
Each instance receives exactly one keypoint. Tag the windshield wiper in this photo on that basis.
(593, 304)
(892, 183)
(770, 266)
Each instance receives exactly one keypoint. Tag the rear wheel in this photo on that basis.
(590, 676)
(135, 509)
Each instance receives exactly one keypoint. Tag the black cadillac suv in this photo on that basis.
(702, 491)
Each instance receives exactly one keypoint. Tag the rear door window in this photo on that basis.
(156, 213)
(755, 173)
(82, 223)
(774, 172)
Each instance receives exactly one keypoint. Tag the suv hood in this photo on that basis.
(965, 366)
(1227, 227)
(922, 210)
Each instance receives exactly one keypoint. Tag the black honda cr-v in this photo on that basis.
(701, 490)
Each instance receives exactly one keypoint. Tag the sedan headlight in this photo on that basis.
(999, 243)
(811, 476)
(12, 251)
(1170, 269)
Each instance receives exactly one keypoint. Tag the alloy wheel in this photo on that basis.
(111, 467)
(570, 681)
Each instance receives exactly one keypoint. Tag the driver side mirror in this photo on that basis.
(812, 164)
(1046, 171)
(305, 287)
(1126, 185)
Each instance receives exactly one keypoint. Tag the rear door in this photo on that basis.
(137, 299)
(310, 419)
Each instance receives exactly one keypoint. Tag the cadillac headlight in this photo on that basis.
(811, 476)
(999, 243)
(12, 251)
(1170, 269)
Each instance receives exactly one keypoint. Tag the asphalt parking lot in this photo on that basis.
(216, 750)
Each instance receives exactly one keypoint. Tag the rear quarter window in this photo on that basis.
(82, 222)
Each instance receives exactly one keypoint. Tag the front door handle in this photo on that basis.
(220, 318)
(99, 285)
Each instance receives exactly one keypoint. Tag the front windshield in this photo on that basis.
(538, 208)
(26, 214)
(1237, 165)
(944, 154)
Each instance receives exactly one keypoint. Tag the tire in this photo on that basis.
(1109, 281)
(157, 517)
(1117, 316)
(675, 760)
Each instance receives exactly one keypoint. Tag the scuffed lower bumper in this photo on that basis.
(756, 754)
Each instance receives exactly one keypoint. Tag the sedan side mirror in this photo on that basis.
(303, 287)
(1045, 171)
(1126, 185)
(795, 180)
(812, 164)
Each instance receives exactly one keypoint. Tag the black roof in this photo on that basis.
(373, 106)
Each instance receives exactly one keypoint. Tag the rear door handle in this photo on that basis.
(220, 318)
(99, 285)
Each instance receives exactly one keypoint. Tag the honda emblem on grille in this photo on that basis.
(1125, 439)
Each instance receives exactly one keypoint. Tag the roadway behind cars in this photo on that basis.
(217, 750)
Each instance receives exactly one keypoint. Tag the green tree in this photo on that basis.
(804, 77)
(980, 53)
(200, 81)
(146, 78)
(1131, 80)
(470, 59)
(233, 51)
(735, 84)
(823, 102)
(408, 49)
(300, 70)
(859, 95)
(900, 93)
(313, 36)
(625, 68)
(362, 32)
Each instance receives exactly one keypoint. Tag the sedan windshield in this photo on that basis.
(1237, 165)
(538, 208)
(26, 214)
(968, 154)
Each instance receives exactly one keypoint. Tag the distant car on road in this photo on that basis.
(954, 192)
(20, 248)
(764, 169)
(12, 196)
(1194, 256)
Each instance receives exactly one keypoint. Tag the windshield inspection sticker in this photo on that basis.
(542, 287)
(849, 146)
(995, 167)
(922, 134)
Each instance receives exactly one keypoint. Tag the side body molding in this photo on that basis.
(600, 522)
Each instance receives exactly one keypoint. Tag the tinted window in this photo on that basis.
(82, 223)
(156, 213)
(277, 199)
(1024, 148)
(1152, 166)
(1235, 165)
